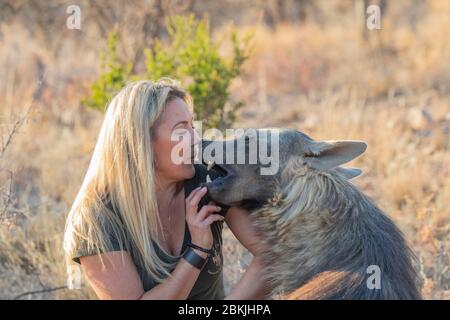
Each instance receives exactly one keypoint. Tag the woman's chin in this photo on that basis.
(189, 171)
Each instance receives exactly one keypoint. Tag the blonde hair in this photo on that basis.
(121, 172)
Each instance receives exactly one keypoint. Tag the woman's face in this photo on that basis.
(173, 142)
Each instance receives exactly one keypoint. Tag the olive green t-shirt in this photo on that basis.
(209, 284)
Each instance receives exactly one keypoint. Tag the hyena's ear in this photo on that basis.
(348, 173)
(327, 155)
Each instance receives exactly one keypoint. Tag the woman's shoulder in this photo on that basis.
(105, 222)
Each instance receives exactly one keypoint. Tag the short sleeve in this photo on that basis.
(82, 248)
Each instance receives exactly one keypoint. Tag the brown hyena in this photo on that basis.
(321, 237)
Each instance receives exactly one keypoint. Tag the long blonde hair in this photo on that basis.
(121, 172)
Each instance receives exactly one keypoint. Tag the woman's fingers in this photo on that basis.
(199, 223)
(192, 203)
(212, 218)
(207, 210)
(198, 196)
(189, 197)
(205, 216)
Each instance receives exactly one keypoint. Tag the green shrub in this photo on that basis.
(190, 56)
(113, 76)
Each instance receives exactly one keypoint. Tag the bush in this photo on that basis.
(191, 57)
(113, 76)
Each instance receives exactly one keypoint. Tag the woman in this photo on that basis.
(138, 212)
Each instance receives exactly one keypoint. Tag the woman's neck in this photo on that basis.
(166, 191)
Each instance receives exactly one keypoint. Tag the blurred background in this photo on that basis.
(308, 65)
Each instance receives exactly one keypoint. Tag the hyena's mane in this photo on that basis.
(320, 234)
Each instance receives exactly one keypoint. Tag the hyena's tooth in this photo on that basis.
(210, 165)
(208, 178)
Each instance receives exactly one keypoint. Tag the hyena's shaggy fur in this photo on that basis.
(320, 235)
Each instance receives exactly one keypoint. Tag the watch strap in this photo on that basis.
(194, 259)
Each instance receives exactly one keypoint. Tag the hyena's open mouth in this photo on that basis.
(219, 187)
(221, 169)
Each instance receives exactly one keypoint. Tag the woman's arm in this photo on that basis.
(119, 278)
(250, 286)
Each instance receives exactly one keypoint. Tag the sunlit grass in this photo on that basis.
(390, 90)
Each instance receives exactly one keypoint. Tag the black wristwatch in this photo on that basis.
(194, 259)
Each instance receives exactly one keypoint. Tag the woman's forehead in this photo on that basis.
(175, 111)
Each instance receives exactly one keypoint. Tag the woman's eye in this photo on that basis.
(181, 132)
(185, 130)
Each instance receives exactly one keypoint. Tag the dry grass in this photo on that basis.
(391, 91)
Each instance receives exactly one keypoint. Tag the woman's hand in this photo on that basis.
(199, 223)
